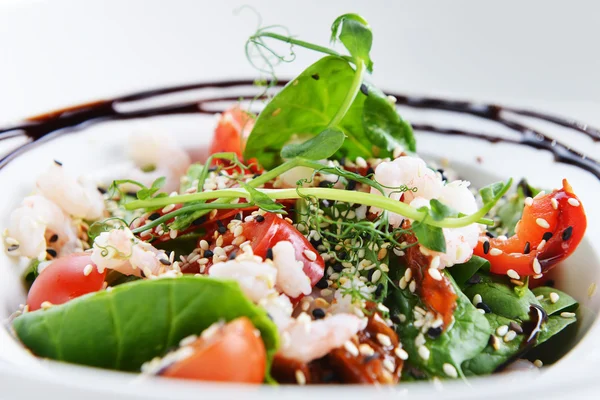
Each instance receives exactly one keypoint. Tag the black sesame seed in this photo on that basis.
(208, 253)
(238, 216)
(343, 161)
(270, 317)
(324, 184)
(475, 279)
(315, 77)
(232, 255)
(337, 267)
(527, 248)
(342, 255)
(547, 236)
(51, 252)
(256, 176)
(434, 333)
(270, 253)
(315, 243)
(101, 190)
(322, 284)
(259, 218)
(221, 228)
(364, 89)
(351, 185)
(379, 290)
(199, 221)
(416, 373)
(484, 307)
(131, 194)
(212, 169)
(515, 327)
(486, 247)
(164, 261)
(13, 247)
(53, 238)
(370, 171)
(566, 235)
(318, 313)
(395, 318)
(142, 274)
(493, 340)
(489, 234)
(550, 282)
(153, 216)
(370, 358)
(58, 163)
(370, 273)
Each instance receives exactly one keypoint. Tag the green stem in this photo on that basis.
(351, 95)
(368, 199)
(301, 43)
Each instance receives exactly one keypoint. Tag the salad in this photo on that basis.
(312, 246)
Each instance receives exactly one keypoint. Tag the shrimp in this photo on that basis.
(151, 156)
(427, 185)
(36, 220)
(256, 279)
(291, 278)
(80, 199)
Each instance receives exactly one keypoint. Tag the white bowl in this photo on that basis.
(95, 145)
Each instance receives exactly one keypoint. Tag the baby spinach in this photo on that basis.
(463, 272)
(320, 147)
(463, 340)
(134, 322)
(429, 236)
(564, 303)
(502, 299)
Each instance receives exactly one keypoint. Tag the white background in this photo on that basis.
(56, 53)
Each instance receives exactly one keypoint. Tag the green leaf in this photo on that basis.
(306, 105)
(137, 321)
(146, 193)
(463, 272)
(193, 173)
(463, 340)
(491, 192)
(356, 36)
(554, 326)
(261, 200)
(564, 303)
(503, 300)
(383, 125)
(320, 147)
(429, 236)
(439, 211)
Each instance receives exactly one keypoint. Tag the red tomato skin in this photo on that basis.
(64, 280)
(233, 128)
(557, 248)
(233, 354)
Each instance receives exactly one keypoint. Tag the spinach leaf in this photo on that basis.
(356, 36)
(429, 236)
(502, 299)
(134, 322)
(564, 303)
(463, 272)
(383, 125)
(463, 340)
(320, 147)
(553, 326)
(308, 104)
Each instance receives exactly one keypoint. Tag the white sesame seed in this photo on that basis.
(408, 274)
(424, 352)
(389, 365)
(450, 370)
(401, 353)
(592, 290)
(567, 314)
(477, 299)
(412, 286)
(300, 378)
(173, 233)
(554, 203)
(351, 348)
(402, 283)
(537, 267)
(238, 230)
(540, 297)
(542, 223)
(510, 335)
(573, 201)
(384, 339)
(168, 208)
(88, 269)
(502, 330)
(310, 255)
(398, 252)
(188, 340)
(11, 241)
(528, 201)
(435, 263)
(435, 274)
(360, 162)
(365, 349)
(326, 292)
(481, 311)
(538, 276)
(540, 194)
(376, 276)
(513, 274)
(420, 340)
(540, 246)
(502, 237)
(46, 305)
(495, 252)
(554, 297)
(538, 363)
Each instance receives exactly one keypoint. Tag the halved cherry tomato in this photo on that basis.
(234, 353)
(63, 280)
(557, 220)
(231, 133)
(265, 233)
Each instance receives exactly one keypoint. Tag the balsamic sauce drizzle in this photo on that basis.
(45, 127)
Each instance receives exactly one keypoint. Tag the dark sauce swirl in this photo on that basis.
(47, 126)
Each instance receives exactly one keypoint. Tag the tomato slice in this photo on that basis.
(64, 279)
(233, 353)
(552, 227)
(231, 133)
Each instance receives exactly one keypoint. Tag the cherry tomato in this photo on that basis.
(63, 280)
(234, 353)
(551, 229)
(232, 130)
